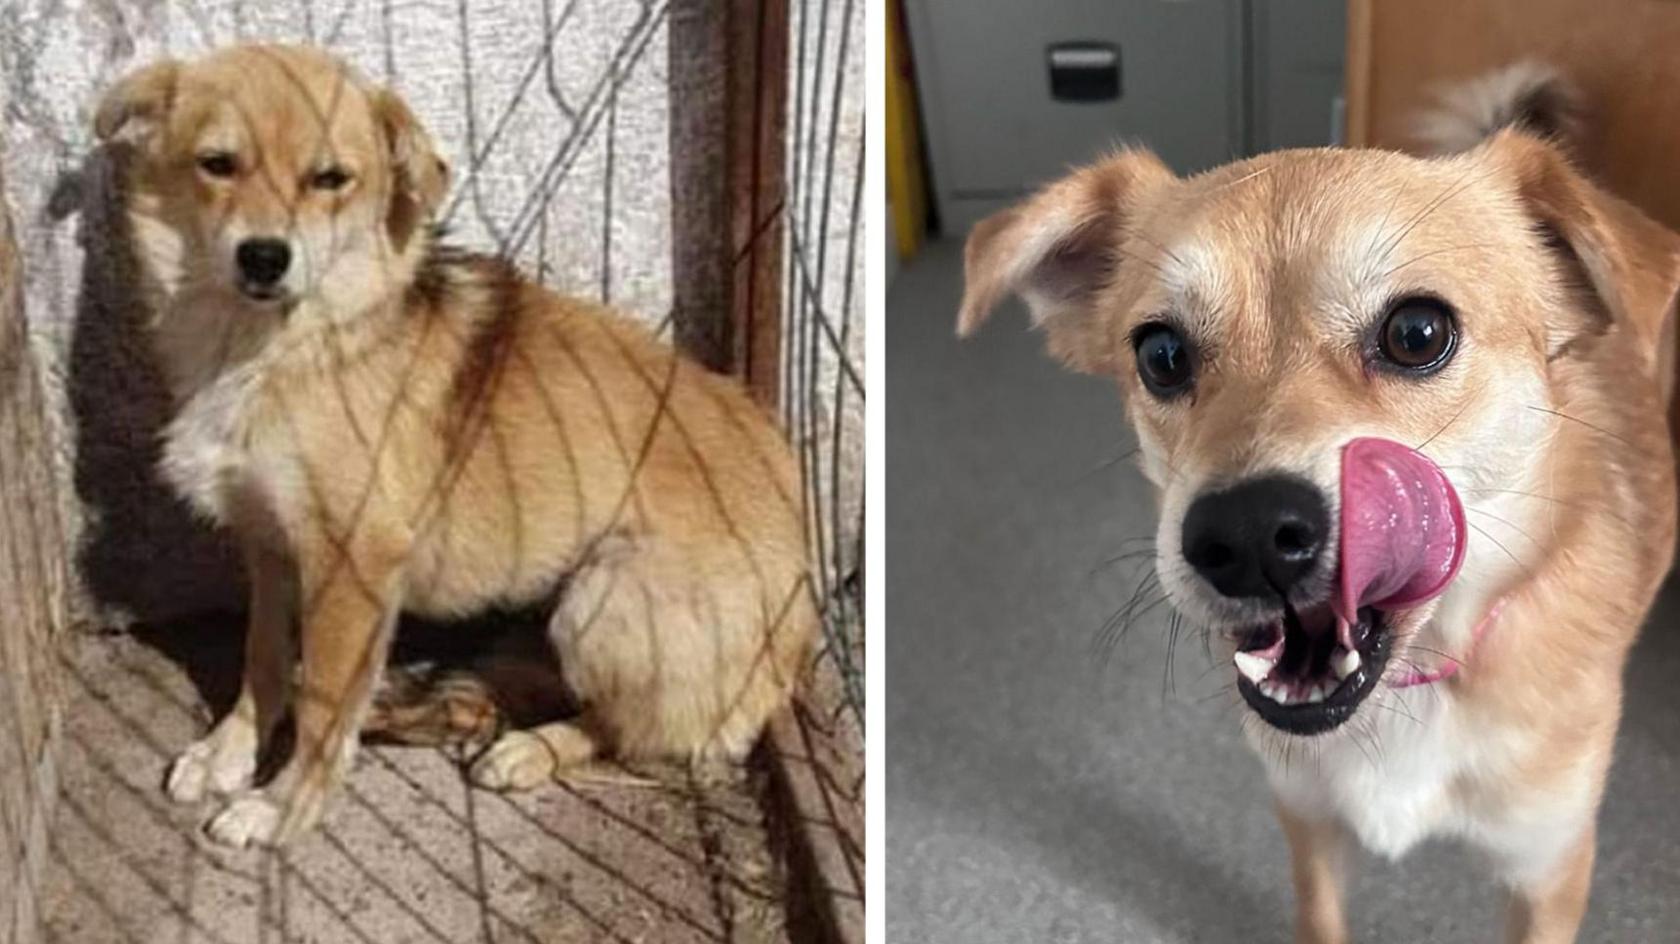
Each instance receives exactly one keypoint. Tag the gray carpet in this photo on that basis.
(1037, 792)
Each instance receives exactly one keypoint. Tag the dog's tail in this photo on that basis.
(1528, 95)
(469, 700)
(435, 709)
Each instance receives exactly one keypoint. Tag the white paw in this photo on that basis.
(217, 762)
(517, 761)
(250, 818)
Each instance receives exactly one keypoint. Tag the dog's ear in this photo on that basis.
(139, 102)
(1057, 251)
(419, 176)
(1623, 266)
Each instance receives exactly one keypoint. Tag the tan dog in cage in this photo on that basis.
(388, 424)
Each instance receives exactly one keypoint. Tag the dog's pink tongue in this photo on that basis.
(1402, 528)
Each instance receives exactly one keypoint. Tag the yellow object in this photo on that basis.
(906, 188)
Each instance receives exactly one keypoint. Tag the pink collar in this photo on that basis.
(1450, 667)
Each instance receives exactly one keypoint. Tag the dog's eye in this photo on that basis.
(1419, 334)
(331, 178)
(1163, 360)
(218, 164)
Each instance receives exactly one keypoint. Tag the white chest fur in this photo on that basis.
(1415, 767)
(1384, 775)
(206, 451)
(214, 350)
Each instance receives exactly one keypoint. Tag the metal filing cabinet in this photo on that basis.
(1013, 91)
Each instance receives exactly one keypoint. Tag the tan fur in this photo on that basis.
(420, 429)
(1318, 851)
(1550, 421)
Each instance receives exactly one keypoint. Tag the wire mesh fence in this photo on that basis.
(821, 386)
(561, 121)
(823, 321)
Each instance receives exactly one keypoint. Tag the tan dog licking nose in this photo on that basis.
(1405, 419)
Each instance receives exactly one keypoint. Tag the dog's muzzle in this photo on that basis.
(1401, 540)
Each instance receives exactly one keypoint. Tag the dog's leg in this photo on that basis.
(225, 759)
(1318, 852)
(520, 760)
(1549, 911)
(680, 652)
(350, 601)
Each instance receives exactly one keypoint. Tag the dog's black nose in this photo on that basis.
(1257, 538)
(263, 261)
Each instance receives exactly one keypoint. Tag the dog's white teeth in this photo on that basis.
(1345, 662)
(1316, 695)
(1254, 668)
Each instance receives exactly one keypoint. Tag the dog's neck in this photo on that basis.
(1450, 664)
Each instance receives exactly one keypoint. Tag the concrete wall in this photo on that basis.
(31, 611)
(554, 114)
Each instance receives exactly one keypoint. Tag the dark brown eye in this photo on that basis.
(1163, 360)
(1418, 335)
(331, 178)
(218, 164)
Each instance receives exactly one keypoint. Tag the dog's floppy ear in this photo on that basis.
(419, 177)
(1625, 266)
(1057, 251)
(139, 102)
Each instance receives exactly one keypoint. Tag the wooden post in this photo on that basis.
(758, 81)
(729, 77)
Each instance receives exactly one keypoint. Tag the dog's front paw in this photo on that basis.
(271, 817)
(518, 760)
(222, 762)
(250, 818)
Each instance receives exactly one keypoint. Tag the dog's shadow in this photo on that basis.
(507, 650)
(141, 553)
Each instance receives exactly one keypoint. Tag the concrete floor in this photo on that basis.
(408, 853)
(1037, 791)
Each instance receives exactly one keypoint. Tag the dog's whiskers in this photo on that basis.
(1501, 545)
(1451, 420)
(1592, 426)
(1513, 527)
(1105, 465)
